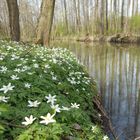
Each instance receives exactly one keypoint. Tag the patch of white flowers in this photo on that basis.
(29, 120)
(56, 56)
(47, 119)
(14, 77)
(27, 85)
(7, 88)
(4, 99)
(33, 103)
(3, 69)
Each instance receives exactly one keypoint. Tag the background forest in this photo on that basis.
(76, 17)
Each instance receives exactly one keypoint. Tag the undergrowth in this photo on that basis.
(45, 94)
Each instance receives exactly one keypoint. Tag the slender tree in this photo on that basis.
(45, 22)
(76, 15)
(122, 15)
(66, 18)
(133, 7)
(14, 19)
(106, 15)
(102, 17)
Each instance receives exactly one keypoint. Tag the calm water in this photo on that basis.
(117, 71)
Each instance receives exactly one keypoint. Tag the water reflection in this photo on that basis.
(117, 70)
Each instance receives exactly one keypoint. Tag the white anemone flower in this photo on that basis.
(47, 66)
(51, 99)
(1, 57)
(105, 137)
(14, 57)
(93, 128)
(56, 108)
(5, 89)
(36, 66)
(65, 108)
(17, 70)
(33, 104)
(47, 119)
(29, 120)
(54, 78)
(14, 77)
(75, 105)
(4, 99)
(27, 85)
(3, 69)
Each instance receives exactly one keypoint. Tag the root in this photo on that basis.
(105, 118)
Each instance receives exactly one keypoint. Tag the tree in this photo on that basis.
(14, 19)
(106, 15)
(102, 17)
(122, 15)
(66, 18)
(45, 22)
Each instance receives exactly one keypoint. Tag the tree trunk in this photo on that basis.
(66, 18)
(76, 15)
(133, 7)
(106, 15)
(122, 15)
(45, 22)
(137, 7)
(96, 16)
(115, 15)
(85, 17)
(102, 17)
(14, 19)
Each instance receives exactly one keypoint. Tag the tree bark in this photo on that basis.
(66, 18)
(122, 16)
(76, 15)
(45, 22)
(106, 15)
(14, 19)
(133, 7)
(102, 17)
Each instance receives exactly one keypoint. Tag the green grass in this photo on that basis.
(33, 75)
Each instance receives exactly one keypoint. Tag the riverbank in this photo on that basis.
(47, 94)
(116, 38)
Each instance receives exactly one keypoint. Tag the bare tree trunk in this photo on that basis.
(122, 15)
(106, 15)
(78, 9)
(137, 7)
(76, 15)
(128, 7)
(115, 15)
(45, 22)
(102, 17)
(85, 15)
(96, 15)
(128, 13)
(66, 18)
(133, 7)
(14, 19)
(111, 15)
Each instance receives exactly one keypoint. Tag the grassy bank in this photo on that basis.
(45, 94)
(116, 38)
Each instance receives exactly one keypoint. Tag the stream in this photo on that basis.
(116, 69)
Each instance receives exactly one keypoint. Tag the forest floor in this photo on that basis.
(47, 94)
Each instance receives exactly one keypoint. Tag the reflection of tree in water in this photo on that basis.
(117, 71)
(137, 120)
